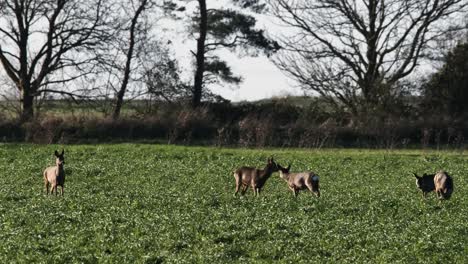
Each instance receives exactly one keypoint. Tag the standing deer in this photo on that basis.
(300, 180)
(254, 177)
(55, 176)
(443, 185)
(440, 182)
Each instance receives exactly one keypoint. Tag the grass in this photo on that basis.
(132, 203)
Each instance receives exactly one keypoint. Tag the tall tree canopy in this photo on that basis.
(40, 40)
(354, 52)
(447, 89)
(224, 28)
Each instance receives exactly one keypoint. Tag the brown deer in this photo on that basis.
(55, 176)
(300, 180)
(443, 185)
(254, 177)
(440, 182)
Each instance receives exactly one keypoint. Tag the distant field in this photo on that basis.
(64, 108)
(134, 203)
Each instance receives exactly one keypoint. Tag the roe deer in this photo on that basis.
(300, 180)
(55, 176)
(425, 183)
(254, 177)
(443, 185)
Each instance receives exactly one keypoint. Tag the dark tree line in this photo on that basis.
(447, 90)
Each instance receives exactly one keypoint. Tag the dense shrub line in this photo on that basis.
(250, 125)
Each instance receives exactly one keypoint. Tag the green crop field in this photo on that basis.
(137, 203)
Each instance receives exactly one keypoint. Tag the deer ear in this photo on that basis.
(415, 175)
(289, 166)
(63, 152)
(56, 153)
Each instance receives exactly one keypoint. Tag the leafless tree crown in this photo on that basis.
(44, 42)
(345, 49)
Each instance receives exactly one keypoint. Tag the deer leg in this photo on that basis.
(309, 186)
(293, 190)
(61, 190)
(254, 189)
(238, 183)
(440, 195)
(244, 189)
(258, 191)
(317, 193)
(46, 185)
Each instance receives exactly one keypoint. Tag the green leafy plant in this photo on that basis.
(127, 203)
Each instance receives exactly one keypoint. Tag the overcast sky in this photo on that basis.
(262, 79)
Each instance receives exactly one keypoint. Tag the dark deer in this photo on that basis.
(55, 176)
(300, 180)
(425, 183)
(254, 177)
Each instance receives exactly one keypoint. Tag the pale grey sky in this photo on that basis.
(262, 79)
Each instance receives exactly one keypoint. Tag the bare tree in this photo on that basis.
(139, 7)
(354, 52)
(162, 76)
(43, 44)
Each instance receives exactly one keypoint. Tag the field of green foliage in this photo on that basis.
(137, 203)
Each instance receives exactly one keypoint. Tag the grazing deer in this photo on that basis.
(443, 185)
(254, 177)
(425, 183)
(300, 180)
(55, 176)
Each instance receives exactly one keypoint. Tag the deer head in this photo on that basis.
(60, 160)
(284, 171)
(271, 165)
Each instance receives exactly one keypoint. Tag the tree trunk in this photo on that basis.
(118, 102)
(127, 70)
(200, 56)
(27, 106)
